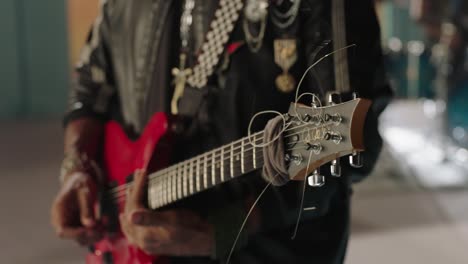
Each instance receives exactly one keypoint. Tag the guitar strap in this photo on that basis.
(211, 50)
(194, 105)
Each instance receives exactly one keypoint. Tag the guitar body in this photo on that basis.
(122, 156)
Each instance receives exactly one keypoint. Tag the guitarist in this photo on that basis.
(124, 74)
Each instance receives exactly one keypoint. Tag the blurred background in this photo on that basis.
(412, 209)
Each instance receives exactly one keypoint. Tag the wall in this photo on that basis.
(33, 65)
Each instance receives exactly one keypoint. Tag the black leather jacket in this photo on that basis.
(124, 74)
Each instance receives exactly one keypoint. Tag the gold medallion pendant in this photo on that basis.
(285, 82)
(285, 57)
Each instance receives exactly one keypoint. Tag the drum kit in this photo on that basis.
(419, 69)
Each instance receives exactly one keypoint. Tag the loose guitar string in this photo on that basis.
(301, 207)
(308, 164)
(297, 97)
(255, 204)
(160, 173)
(252, 207)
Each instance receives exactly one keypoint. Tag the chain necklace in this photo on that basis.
(286, 19)
(186, 21)
(221, 27)
(256, 11)
(181, 74)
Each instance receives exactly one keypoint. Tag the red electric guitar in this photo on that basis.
(315, 134)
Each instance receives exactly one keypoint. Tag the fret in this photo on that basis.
(242, 157)
(205, 171)
(167, 186)
(222, 164)
(156, 189)
(213, 168)
(191, 164)
(152, 197)
(185, 182)
(185, 178)
(248, 161)
(161, 189)
(160, 194)
(198, 174)
(164, 188)
(236, 160)
(254, 155)
(174, 185)
(231, 161)
(158, 201)
(180, 172)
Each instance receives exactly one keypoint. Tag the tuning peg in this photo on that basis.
(315, 179)
(316, 148)
(355, 160)
(334, 98)
(335, 168)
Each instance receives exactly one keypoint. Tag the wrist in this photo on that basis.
(79, 163)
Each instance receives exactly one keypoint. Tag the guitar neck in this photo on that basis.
(340, 58)
(205, 171)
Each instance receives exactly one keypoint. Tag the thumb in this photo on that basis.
(86, 199)
(137, 194)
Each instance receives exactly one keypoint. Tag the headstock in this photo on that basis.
(318, 135)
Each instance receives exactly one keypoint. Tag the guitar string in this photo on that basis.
(237, 167)
(234, 149)
(245, 220)
(179, 176)
(122, 192)
(218, 156)
(183, 190)
(302, 201)
(178, 185)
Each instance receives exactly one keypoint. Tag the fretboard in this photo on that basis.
(205, 171)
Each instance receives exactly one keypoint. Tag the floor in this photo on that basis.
(395, 218)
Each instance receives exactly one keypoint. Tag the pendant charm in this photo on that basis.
(180, 78)
(285, 57)
(256, 10)
(285, 82)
